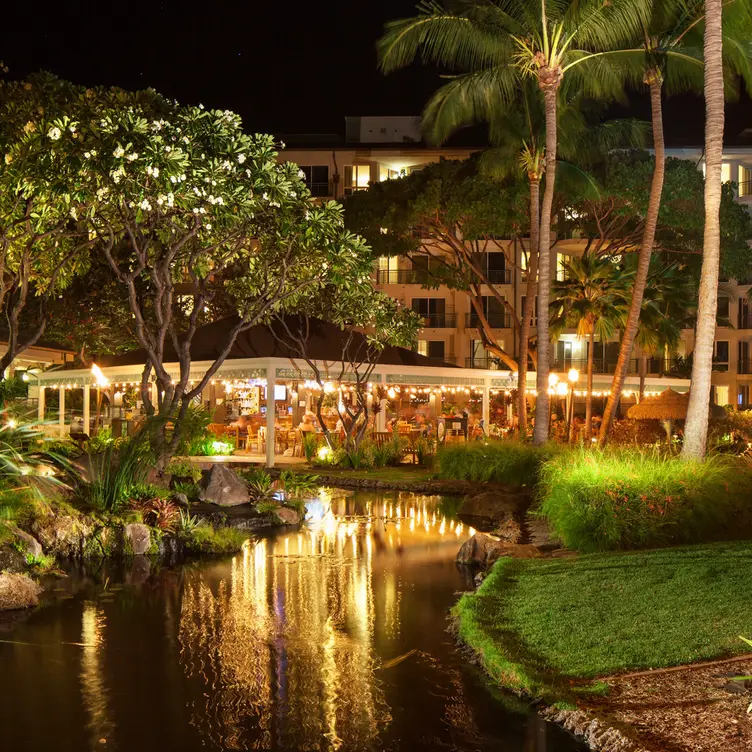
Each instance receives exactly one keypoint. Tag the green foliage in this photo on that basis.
(299, 484)
(184, 469)
(310, 445)
(298, 505)
(538, 624)
(621, 499)
(206, 539)
(40, 564)
(101, 440)
(211, 446)
(425, 450)
(509, 462)
(190, 490)
(159, 512)
(267, 505)
(187, 523)
(260, 486)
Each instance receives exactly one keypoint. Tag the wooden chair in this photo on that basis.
(382, 437)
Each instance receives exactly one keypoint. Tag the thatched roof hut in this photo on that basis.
(668, 405)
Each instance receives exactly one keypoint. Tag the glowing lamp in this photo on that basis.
(99, 377)
(553, 379)
(324, 452)
(562, 389)
(329, 387)
(391, 393)
(573, 376)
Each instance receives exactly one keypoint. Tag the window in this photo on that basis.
(742, 397)
(725, 172)
(723, 312)
(432, 348)
(721, 355)
(317, 179)
(494, 266)
(745, 181)
(357, 178)
(721, 395)
(429, 306)
(561, 272)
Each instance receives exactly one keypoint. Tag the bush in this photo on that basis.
(299, 484)
(310, 445)
(510, 462)
(184, 469)
(600, 501)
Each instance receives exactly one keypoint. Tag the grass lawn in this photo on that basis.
(539, 624)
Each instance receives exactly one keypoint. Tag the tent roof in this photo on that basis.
(325, 343)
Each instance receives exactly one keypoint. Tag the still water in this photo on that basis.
(331, 638)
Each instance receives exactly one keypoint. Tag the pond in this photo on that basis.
(328, 638)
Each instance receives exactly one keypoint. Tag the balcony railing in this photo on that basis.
(495, 320)
(499, 276)
(745, 188)
(653, 366)
(402, 277)
(744, 366)
(439, 321)
(720, 366)
(487, 364)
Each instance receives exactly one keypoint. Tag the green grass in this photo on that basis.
(539, 624)
(509, 462)
(206, 539)
(623, 499)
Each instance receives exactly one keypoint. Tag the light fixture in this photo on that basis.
(573, 376)
(391, 393)
(99, 377)
(562, 389)
(553, 379)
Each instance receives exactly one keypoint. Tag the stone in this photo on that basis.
(31, 545)
(287, 516)
(493, 505)
(18, 591)
(224, 488)
(137, 538)
(12, 560)
(61, 535)
(483, 550)
(181, 500)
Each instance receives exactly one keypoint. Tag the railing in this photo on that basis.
(744, 366)
(499, 276)
(495, 320)
(449, 358)
(402, 277)
(440, 321)
(745, 188)
(653, 366)
(720, 366)
(487, 364)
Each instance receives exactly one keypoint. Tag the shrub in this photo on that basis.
(299, 484)
(188, 522)
(310, 445)
(188, 489)
(160, 513)
(619, 499)
(510, 462)
(184, 469)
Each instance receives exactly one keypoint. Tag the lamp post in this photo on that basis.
(101, 381)
(572, 377)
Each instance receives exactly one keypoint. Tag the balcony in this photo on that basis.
(495, 320)
(744, 367)
(487, 364)
(439, 321)
(402, 277)
(499, 276)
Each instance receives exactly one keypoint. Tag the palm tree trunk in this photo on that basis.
(540, 434)
(589, 396)
(643, 265)
(643, 372)
(696, 426)
(529, 307)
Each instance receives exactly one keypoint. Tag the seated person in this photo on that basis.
(307, 425)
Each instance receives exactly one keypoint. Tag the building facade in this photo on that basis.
(377, 149)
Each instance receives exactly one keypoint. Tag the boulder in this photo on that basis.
(12, 560)
(497, 506)
(61, 534)
(17, 591)
(224, 488)
(483, 550)
(287, 516)
(137, 538)
(30, 544)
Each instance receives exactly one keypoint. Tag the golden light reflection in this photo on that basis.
(93, 684)
(281, 641)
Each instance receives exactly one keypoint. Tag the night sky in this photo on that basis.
(285, 67)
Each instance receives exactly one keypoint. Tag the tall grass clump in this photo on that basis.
(625, 499)
(509, 462)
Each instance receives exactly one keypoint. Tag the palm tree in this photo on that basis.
(667, 309)
(494, 43)
(670, 57)
(518, 138)
(591, 300)
(696, 425)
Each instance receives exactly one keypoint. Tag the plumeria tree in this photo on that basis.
(186, 207)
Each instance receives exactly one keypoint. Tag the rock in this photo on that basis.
(287, 516)
(18, 591)
(494, 505)
(61, 535)
(509, 531)
(225, 488)
(12, 560)
(181, 500)
(137, 538)
(483, 550)
(139, 571)
(31, 545)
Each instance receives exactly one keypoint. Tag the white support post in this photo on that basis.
(270, 415)
(381, 417)
(87, 409)
(40, 402)
(61, 412)
(486, 408)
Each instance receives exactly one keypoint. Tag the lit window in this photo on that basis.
(745, 181)
(357, 178)
(725, 172)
